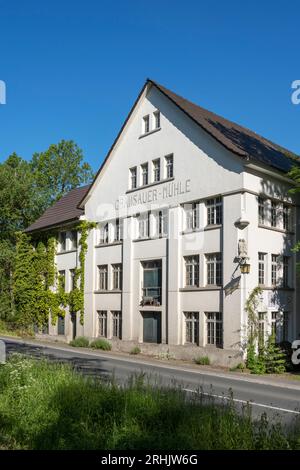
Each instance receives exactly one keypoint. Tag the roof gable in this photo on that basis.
(237, 139)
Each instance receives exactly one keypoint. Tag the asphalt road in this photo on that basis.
(280, 398)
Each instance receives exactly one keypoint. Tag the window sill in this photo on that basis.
(66, 251)
(149, 133)
(110, 291)
(149, 185)
(149, 238)
(276, 229)
(191, 230)
(196, 289)
(213, 227)
(276, 288)
(100, 245)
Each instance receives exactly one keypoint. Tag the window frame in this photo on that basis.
(214, 329)
(192, 271)
(192, 328)
(102, 277)
(214, 210)
(102, 323)
(214, 269)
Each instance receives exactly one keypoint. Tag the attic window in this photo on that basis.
(146, 124)
(156, 115)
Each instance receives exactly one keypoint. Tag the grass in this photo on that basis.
(202, 360)
(80, 342)
(101, 344)
(46, 405)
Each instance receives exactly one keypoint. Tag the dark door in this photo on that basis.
(73, 319)
(151, 327)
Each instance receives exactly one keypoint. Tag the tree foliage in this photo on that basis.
(27, 188)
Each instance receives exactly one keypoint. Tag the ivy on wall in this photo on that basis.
(39, 291)
(262, 357)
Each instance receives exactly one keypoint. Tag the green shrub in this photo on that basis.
(202, 361)
(101, 344)
(240, 366)
(80, 342)
(135, 350)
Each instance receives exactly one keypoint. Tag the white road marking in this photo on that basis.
(223, 397)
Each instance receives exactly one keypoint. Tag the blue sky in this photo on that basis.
(74, 68)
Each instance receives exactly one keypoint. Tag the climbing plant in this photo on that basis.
(261, 358)
(39, 290)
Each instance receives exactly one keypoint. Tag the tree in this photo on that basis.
(27, 188)
(294, 174)
(58, 170)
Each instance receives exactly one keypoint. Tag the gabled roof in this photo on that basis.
(63, 211)
(237, 139)
(234, 137)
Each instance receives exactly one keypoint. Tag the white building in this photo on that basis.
(182, 198)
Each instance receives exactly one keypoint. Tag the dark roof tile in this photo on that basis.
(63, 211)
(234, 137)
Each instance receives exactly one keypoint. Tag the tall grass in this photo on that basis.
(47, 405)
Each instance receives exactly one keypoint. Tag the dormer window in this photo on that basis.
(156, 115)
(146, 124)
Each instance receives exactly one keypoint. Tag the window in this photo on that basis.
(214, 327)
(62, 241)
(285, 271)
(274, 214)
(143, 222)
(261, 210)
(214, 269)
(144, 169)
(62, 279)
(156, 170)
(156, 119)
(192, 271)
(169, 166)
(117, 324)
(192, 327)
(104, 234)
(133, 178)
(117, 276)
(72, 280)
(261, 268)
(285, 326)
(274, 316)
(119, 230)
(162, 221)
(274, 269)
(146, 123)
(286, 216)
(192, 216)
(102, 277)
(214, 211)
(261, 330)
(102, 323)
(73, 240)
(151, 282)
(60, 325)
